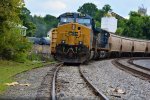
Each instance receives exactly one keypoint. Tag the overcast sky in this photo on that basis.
(57, 7)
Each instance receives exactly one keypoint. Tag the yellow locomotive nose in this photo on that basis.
(72, 38)
(71, 33)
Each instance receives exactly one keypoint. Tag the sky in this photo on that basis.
(57, 7)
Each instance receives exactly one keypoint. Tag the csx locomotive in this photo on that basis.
(76, 40)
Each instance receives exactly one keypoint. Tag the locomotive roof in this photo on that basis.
(75, 15)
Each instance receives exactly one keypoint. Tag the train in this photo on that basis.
(77, 40)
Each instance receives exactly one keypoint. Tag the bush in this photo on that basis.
(34, 56)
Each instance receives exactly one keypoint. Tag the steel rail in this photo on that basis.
(100, 94)
(134, 70)
(53, 92)
(130, 61)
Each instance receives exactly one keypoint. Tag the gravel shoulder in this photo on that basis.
(38, 81)
(71, 86)
(115, 83)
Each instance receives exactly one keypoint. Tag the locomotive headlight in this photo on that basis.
(80, 42)
(63, 41)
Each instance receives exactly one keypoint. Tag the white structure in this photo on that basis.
(22, 30)
(109, 24)
(49, 34)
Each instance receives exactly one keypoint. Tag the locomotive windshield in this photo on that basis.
(66, 20)
(83, 21)
(76, 18)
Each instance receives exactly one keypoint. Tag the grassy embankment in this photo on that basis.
(10, 68)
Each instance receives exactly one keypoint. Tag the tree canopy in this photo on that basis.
(44, 24)
(13, 45)
(137, 26)
(88, 8)
(26, 18)
(37, 26)
(92, 10)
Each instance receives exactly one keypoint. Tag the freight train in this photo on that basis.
(76, 40)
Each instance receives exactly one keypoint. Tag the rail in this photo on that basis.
(100, 94)
(53, 92)
(130, 61)
(133, 69)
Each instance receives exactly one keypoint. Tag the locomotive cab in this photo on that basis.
(73, 38)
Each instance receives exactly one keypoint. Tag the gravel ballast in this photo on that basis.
(39, 81)
(71, 86)
(115, 83)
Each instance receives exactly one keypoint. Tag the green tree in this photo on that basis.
(137, 26)
(146, 27)
(134, 14)
(133, 27)
(31, 28)
(26, 18)
(88, 8)
(13, 45)
(41, 26)
(121, 25)
(106, 8)
(50, 21)
(44, 24)
(99, 14)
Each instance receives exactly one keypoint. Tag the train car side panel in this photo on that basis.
(127, 45)
(139, 46)
(114, 43)
(148, 46)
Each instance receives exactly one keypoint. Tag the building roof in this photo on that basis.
(117, 15)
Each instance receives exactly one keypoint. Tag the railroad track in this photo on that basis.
(85, 86)
(53, 91)
(44, 90)
(99, 93)
(128, 65)
(131, 61)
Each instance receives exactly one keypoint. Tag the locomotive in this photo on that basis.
(73, 41)
(76, 40)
